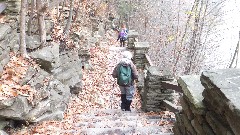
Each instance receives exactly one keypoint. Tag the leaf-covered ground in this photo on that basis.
(99, 92)
(10, 78)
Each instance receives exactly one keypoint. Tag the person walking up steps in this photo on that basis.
(122, 35)
(125, 72)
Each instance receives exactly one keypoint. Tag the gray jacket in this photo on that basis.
(133, 67)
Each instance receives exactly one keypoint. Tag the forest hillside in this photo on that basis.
(57, 57)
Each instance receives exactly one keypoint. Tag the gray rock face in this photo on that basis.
(6, 34)
(49, 100)
(6, 103)
(52, 96)
(5, 29)
(3, 132)
(51, 82)
(132, 37)
(13, 6)
(47, 57)
(76, 88)
(32, 42)
(17, 110)
(3, 124)
(69, 71)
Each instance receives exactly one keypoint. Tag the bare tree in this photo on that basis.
(235, 56)
(60, 14)
(77, 11)
(31, 17)
(67, 28)
(182, 42)
(41, 22)
(23, 50)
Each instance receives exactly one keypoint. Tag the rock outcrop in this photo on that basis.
(58, 75)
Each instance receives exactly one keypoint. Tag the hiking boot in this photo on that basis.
(123, 104)
(128, 104)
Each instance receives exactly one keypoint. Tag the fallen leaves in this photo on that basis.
(13, 72)
(2, 18)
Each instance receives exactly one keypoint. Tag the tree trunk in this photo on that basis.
(23, 50)
(41, 23)
(180, 48)
(77, 11)
(31, 18)
(59, 16)
(235, 56)
(58, 10)
(67, 28)
(193, 42)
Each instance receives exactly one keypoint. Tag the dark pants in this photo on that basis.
(127, 93)
(122, 42)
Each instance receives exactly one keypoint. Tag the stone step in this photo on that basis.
(107, 124)
(113, 112)
(116, 114)
(107, 118)
(113, 48)
(118, 122)
(124, 131)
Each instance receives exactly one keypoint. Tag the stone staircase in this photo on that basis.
(117, 122)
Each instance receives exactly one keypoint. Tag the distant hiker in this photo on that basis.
(126, 72)
(122, 35)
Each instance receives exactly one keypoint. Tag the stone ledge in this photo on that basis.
(193, 89)
(141, 45)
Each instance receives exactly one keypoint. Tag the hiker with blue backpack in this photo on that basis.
(126, 72)
(122, 35)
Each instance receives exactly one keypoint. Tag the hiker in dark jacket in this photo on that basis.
(127, 92)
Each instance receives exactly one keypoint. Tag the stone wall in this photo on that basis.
(139, 58)
(153, 93)
(150, 77)
(210, 104)
(132, 37)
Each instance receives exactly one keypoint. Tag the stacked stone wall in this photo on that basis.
(140, 49)
(210, 104)
(150, 77)
(153, 93)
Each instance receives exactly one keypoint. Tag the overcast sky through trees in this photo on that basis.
(229, 32)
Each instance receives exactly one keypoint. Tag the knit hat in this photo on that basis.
(127, 54)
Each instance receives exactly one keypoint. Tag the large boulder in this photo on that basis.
(49, 101)
(47, 57)
(70, 70)
(6, 103)
(32, 42)
(17, 110)
(6, 35)
(5, 30)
